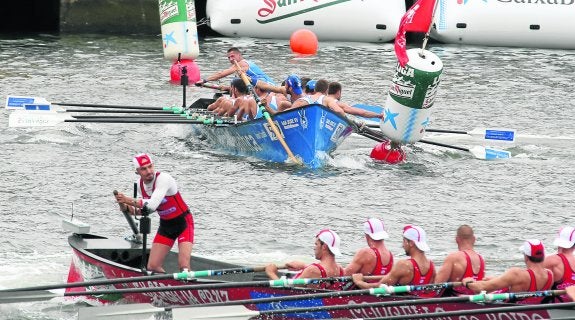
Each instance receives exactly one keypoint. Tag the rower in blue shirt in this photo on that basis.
(252, 70)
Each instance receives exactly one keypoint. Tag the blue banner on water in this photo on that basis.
(307, 303)
(18, 102)
(43, 107)
(491, 154)
(500, 135)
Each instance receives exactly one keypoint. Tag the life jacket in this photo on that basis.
(171, 206)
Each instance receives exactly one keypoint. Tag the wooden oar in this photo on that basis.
(269, 120)
(7, 297)
(119, 311)
(241, 312)
(478, 152)
(182, 276)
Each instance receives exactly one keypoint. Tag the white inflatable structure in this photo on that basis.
(510, 23)
(179, 30)
(330, 20)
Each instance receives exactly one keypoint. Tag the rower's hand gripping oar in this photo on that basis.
(269, 120)
(129, 218)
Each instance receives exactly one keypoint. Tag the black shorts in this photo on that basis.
(174, 227)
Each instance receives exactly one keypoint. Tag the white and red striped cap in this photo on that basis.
(141, 160)
(533, 248)
(417, 235)
(331, 239)
(565, 238)
(375, 229)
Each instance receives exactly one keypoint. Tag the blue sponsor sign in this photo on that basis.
(500, 135)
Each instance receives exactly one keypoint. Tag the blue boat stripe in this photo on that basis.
(410, 124)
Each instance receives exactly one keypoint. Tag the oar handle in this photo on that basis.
(128, 217)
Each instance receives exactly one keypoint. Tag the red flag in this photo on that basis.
(416, 19)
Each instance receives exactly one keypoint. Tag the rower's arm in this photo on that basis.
(221, 74)
(510, 278)
(444, 273)
(359, 112)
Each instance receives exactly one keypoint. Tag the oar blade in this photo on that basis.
(18, 102)
(22, 118)
(28, 296)
(504, 135)
(119, 312)
(488, 153)
(220, 313)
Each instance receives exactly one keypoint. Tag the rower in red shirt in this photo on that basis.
(465, 263)
(326, 248)
(562, 264)
(375, 259)
(534, 278)
(417, 270)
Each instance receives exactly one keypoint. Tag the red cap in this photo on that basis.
(141, 160)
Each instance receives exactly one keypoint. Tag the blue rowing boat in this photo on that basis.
(312, 132)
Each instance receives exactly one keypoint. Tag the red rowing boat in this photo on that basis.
(99, 259)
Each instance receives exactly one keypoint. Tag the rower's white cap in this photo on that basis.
(533, 248)
(375, 229)
(417, 235)
(141, 159)
(331, 239)
(565, 238)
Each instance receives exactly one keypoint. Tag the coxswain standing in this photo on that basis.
(160, 193)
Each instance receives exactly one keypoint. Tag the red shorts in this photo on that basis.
(180, 228)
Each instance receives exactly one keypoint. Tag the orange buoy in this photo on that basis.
(303, 41)
(192, 70)
(385, 152)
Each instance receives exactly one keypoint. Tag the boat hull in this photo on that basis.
(537, 24)
(330, 20)
(311, 132)
(97, 258)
